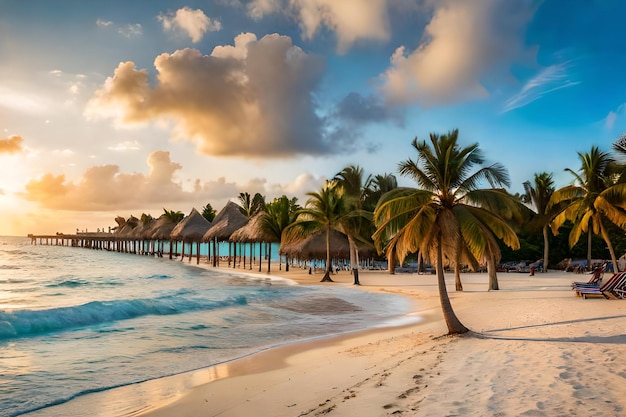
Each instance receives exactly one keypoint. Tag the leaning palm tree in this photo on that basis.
(538, 194)
(324, 211)
(596, 197)
(448, 208)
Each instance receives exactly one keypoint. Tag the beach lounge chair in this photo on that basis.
(595, 280)
(606, 290)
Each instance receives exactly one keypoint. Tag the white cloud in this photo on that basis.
(550, 79)
(350, 20)
(130, 30)
(464, 42)
(23, 101)
(259, 8)
(613, 115)
(103, 23)
(125, 146)
(193, 22)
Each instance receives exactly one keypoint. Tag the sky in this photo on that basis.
(123, 107)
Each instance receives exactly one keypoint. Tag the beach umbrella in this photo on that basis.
(225, 223)
(191, 229)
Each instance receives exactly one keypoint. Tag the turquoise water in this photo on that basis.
(75, 321)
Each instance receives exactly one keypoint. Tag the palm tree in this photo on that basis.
(250, 205)
(324, 211)
(208, 212)
(277, 216)
(595, 197)
(377, 186)
(539, 195)
(173, 216)
(355, 189)
(448, 208)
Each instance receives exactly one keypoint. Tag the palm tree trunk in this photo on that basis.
(589, 235)
(354, 260)
(605, 236)
(457, 265)
(391, 261)
(454, 324)
(546, 248)
(327, 277)
(491, 270)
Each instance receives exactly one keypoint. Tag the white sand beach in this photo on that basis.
(537, 350)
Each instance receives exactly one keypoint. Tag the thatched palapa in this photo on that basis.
(225, 223)
(253, 232)
(314, 247)
(191, 229)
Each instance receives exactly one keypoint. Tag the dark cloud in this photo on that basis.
(252, 99)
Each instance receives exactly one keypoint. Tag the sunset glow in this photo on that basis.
(109, 109)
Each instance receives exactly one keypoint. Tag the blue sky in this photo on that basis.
(123, 107)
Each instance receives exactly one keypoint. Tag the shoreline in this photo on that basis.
(535, 353)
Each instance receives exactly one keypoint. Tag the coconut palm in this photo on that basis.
(595, 197)
(376, 187)
(173, 216)
(358, 225)
(449, 208)
(277, 216)
(538, 194)
(325, 210)
(250, 205)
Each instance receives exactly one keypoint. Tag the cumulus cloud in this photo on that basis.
(350, 20)
(11, 145)
(105, 188)
(464, 43)
(250, 99)
(193, 22)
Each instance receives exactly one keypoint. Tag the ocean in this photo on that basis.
(77, 321)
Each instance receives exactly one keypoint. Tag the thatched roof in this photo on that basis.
(126, 227)
(191, 228)
(161, 229)
(252, 232)
(314, 246)
(225, 223)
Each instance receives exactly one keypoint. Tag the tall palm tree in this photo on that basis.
(324, 211)
(277, 216)
(538, 194)
(448, 207)
(357, 226)
(595, 197)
